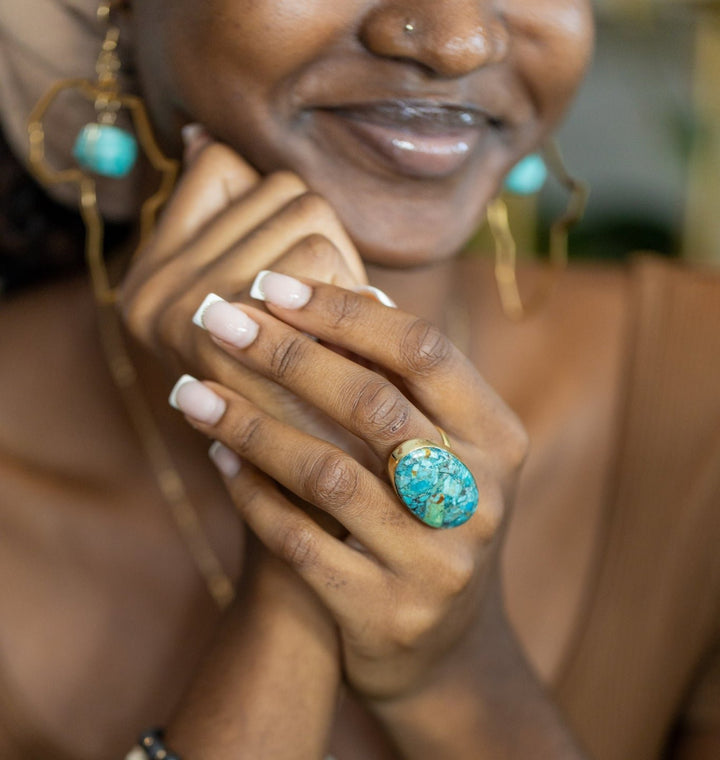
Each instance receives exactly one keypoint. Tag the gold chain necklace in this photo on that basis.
(104, 94)
(166, 474)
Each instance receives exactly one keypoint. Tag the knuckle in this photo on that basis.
(132, 317)
(333, 481)
(314, 206)
(424, 347)
(490, 514)
(298, 546)
(322, 254)
(213, 157)
(249, 499)
(412, 623)
(244, 433)
(287, 181)
(343, 309)
(517, 444)
(286, 354)
(380, 407)
(138, 319)
(458, 572)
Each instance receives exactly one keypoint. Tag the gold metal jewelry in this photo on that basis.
(107, 99)
(506, 248)
(104, 94)
(445, 439)
(433, 483)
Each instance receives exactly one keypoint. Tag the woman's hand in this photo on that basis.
(224, 224)
(405, 596)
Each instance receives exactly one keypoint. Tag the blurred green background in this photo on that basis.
(645, 134)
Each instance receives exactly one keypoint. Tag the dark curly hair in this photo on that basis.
(40, 239)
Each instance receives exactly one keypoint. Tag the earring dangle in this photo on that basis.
(528, 177)
(104, 149)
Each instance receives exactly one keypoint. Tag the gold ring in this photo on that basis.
(434, 484)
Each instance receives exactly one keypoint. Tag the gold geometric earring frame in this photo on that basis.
(506, 248)
(107, 99)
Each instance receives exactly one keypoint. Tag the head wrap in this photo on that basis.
(41, 42)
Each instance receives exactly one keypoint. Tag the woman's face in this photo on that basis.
(404, 114)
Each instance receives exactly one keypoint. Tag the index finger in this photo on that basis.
(440, 379)
(216, 177)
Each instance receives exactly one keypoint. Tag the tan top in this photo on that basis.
(656, 589)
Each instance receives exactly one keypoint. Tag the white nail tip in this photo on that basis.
(184, 380)
(378, 294)
(256, 291)
(210, 299)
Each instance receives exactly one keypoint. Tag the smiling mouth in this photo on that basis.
(417, 139)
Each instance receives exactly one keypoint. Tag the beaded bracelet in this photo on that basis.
(151, 747)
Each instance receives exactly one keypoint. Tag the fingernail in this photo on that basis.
(280, 290)
(226, 322)
(194, 137)
(192, 132)
(377, 294)
(225, 459)
(191, 397)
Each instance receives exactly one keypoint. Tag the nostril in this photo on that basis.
(448, 41)
(388, 33)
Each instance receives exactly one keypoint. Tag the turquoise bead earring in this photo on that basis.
(102, 147)
(528, 176)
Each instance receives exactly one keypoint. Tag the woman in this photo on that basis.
(343, 145)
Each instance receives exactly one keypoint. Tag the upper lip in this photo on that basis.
(418, 116)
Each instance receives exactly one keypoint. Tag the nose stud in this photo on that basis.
(409, 27)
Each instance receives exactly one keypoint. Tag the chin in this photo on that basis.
(415, 236)
(409, 250)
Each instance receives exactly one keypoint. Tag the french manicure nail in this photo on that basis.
(377, 294)
(191, 397)
(225, 459)
(209, 300)
(226, 322)
(194, 137)
(192, 132)
(280, 290)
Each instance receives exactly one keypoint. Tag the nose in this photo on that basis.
(450, 38)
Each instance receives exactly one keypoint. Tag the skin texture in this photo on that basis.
(404, 619)
(271, 69)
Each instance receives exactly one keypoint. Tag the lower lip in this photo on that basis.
(413, 154)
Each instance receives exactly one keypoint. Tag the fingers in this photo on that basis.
(439, 379)
(212, 243)
(216, 177)
(277, 217)
(336, 572)
(316, 256)
(314, 470)
(362, 401)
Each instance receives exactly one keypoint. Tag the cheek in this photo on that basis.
(553, 49)
(207, 59)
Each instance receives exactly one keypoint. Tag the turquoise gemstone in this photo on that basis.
(106, 150)
(527, 176)
(436, 487)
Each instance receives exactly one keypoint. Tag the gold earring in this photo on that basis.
(102, 148)
(526, 178)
